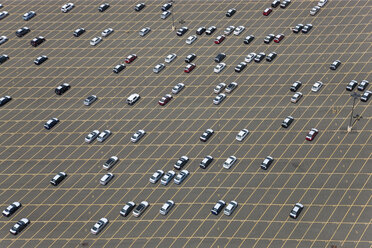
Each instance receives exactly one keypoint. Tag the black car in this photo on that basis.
(166, 6)
(271, 56)
(287, 121)
(307, 28)
(363, 85)
(266, 163)
(119, 68)
(182, 31)
(127, 209)
(219, 57)
(275, 3)
(335, 64)
(295, 86)
(218, 207)
(3, 58)
(103, 7)
(240, 66)
(206, 135)
(230, 12)
(51, 123)
(41, 59)
(285, 3)
(210, 30)
(248, 39)
(11, 209)
(57, 179)
(269, 38)
(22, 31)
(4, 100)
(181, 162)
(259, 57)
(298, 28)
(79, 32)
(190, 58)
(350, 86)
(62, 89)
(200, 30)
(366, 95)
(19, 226)
(139, 6)
(206, 162)
(37, 41)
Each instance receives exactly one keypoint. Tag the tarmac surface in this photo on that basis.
(330, 176)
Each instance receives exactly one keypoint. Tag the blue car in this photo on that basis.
(27, 16)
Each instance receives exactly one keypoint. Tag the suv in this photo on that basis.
(62, 89)
(37, 41)
(295, 86)
(57, 179)
(267, 162)
(166, 6)
(67, 7)
(139, 6)
(230, 12)
(363, 85)
(219, 57)
(132, 99)
(110, 162)
(218, 207)
(22, 31)
(206, 162)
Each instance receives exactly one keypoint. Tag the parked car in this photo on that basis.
(167, 177)
(158, 68)
(3, 14)
(240, 67)
(259, 57)
(278, 38)
(363, 85)
(269, 38)
(242, 134)
(51, 123)
(139, 7)
(189, 68)
(316, 87)
(57, 179)
(41, 59)
(5, 100)
(266, 163)
(181, 176)
(130, 58)
(165, 15)
(37, 41)
(27, 16)
(156, 176)
(335, 64)
(285, 3)
(297, 96)
(177, 88)
(103, 7)
(138, 135)
(67, 7)
(287, 121)
(11, 209)
(118, 68)
(98, 227)
(125, 211)
(230, 12)
(144, 31)
(321, 3)
(91, 136)
(230, 208)
(219, 67)
(218, 207)
(238, 30)
(133, 98)
(298, 28)
(90, 99)
(210, 30)
(103, 136)
(170, 57)
(250, 57)
(350, 86)
(206, 162)
(219, 88)
(219, 57)
(366, 95)
(110, 162)
(106, 178)
(296, 210)
(62, 89)
(229, 30)
(22, 31)
(295, 86)
(166, 6)
(166, 207)
(219, 39)
(271, 56)
(95, 40)
(314, 10)
(79, 32)
(19, 226)
(307, 28)
(230, 161)
(107, 32)
(191, 39)
(267, 11)
(200, 30)
(3, 39)
(181, 162)
(311, 135)
(206, 135)
(231, 87)
(219, 98)
(190, 58)
(248, 39)
(182, 31)
(275, 3)
(138, 211)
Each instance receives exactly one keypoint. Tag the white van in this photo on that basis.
(132, 99)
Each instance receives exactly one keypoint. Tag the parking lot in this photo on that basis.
(330, 176)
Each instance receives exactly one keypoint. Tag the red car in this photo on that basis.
(219, 39)
(189, 68)
(130, 58)
(165, 99)
(278, 38)
(311, 135)
(267, 11)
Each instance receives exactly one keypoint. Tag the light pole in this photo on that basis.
(355, 96)
(172, 2)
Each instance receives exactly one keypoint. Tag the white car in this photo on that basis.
(239, 30)
(316, 87)
(106, 178)
(219, 67)
(242, 134)
(314, 10)
(98, 227)
(137, 135)
(158, 68)
(170, 57)
(219, 88)
(156, 176)
(322, 3)
(229, 30)
(230, 161)
(250, 57)
(181, 176)
(96, 40)
(144, 31)
(166, 207)
(107, 32)
(177, 88)
(67, 7)
(110, 162)
(91, 136)
(191, 39)
(3, 39)
(219, 98)
(103, 136)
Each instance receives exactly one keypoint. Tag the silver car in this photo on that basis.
(166, 207)
(250, 57)
(314, 10)
(103, 136)
(3, 14)
(95, 40)
(219, 67)
(167, 177)
(219, 88)
(191, 39)
(106, 178)
(219, 98)
(98, 227)
(181, 176)
(177, 88)
(230, 161)
(144, 31)
(239, 30)
(3, 39)
(229, 30)
(156, 176)
(242, 134)
(137, 135)
(230, 208)
(170, 57)
(110, 162)
(231, 87)
(107, 32)
(316, 87)
(67, 7)
(92, 136)
(158, 68)
(297, 96)
(90, 99)
(165, 14)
